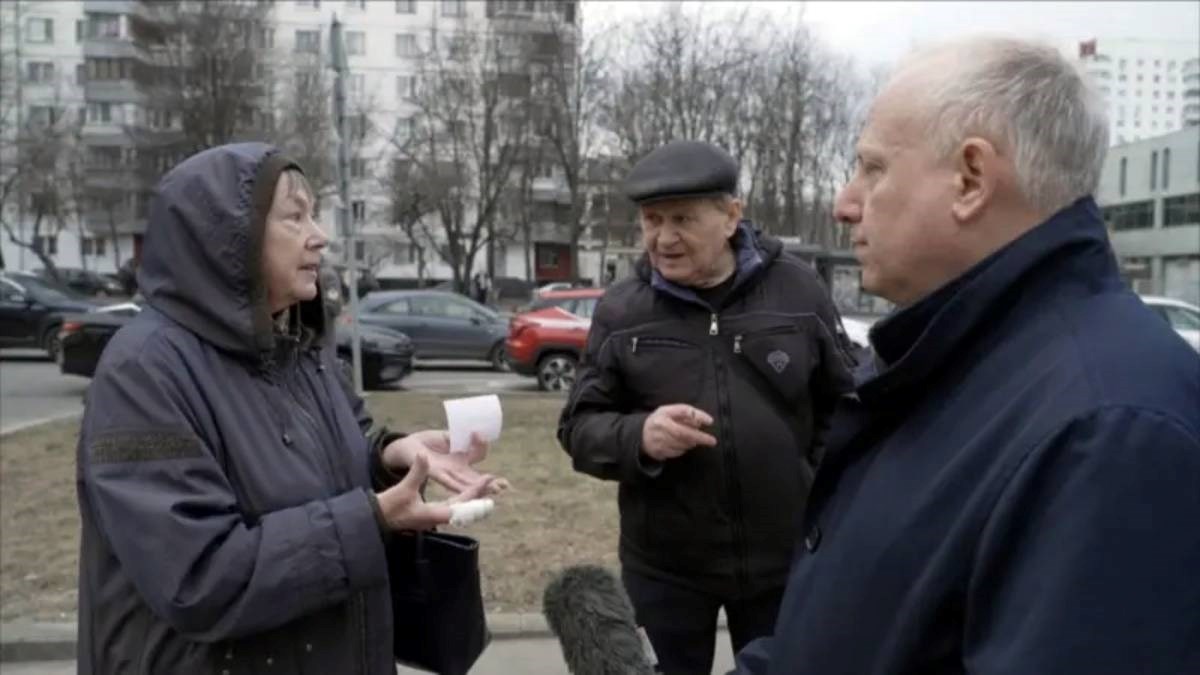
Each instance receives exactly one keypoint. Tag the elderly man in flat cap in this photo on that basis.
(706, 384)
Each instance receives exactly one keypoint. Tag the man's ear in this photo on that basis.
(977, 167)
(733, 209)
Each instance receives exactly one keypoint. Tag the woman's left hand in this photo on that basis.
(452, 470)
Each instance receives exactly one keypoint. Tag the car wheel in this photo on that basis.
(51, 343)
(499, 359)
(556, 372)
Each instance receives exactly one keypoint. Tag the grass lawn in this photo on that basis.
(551, 518)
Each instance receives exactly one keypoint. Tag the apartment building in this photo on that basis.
(1150, 195)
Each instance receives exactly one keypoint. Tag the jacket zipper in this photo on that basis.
(668, 343)
(731, 473)
(781, 330)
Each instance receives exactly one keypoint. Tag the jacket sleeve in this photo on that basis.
(832, 378)
(378, 436)
(754, 659)
(165, 507)
(1088, 561)
(597, 428)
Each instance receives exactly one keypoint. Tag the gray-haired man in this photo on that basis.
(1015, 488)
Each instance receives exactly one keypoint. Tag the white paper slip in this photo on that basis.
(475, 415)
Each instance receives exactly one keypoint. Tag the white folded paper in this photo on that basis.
(475, 415)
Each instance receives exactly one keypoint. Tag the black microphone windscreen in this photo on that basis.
(588, 610)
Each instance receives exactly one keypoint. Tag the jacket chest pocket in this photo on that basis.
(663, 370)
(782, 356)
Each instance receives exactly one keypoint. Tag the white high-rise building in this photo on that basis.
(1146, 84)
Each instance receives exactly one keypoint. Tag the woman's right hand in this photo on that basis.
(404, 509)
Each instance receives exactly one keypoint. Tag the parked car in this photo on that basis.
(85, 282)
(32, 309)
(387, 355)
(441, 325)
(546, 341)
(1183, 317)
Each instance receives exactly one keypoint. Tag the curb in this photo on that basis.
(25, 426)
(25, 642)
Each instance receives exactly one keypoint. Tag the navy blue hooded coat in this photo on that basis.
(224, 478)
(1016, 490)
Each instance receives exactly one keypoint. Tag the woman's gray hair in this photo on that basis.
(1029, 99)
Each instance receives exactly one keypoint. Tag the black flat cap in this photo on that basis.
(682, 169)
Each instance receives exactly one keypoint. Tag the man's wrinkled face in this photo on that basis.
(898, 204)
(292, 244)
(687, 239)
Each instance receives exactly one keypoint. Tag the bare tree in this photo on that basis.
(206, 75)
(457, 146)
(39, 158)
(569, 82)
(771, 95)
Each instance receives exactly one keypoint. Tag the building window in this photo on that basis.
(454, 8)
(356, 43)
(1181, 210)
(103, 26)
(358, 211)
(1157, 79)
(40, 31)
(266, 38)
(1134, 216)
(406, 86)
(44, 115)
(309, 4)
(356, 4)
(1154, 170)
(357, 126)
(92, 246)
(47, 244)
(1181, 279)
(308, 41)
(39, 72)
(406, 45)
(1124, 168)
(547, 257)
(357, 85)
(358, 168)
(406, 6)
(99, 113)
(109, 69)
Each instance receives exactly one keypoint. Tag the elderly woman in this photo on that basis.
(234, 498)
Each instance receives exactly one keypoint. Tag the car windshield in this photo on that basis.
(1183, 319)
(44, 291)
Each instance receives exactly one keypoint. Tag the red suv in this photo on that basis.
(546, 341)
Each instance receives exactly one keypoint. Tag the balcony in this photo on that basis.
(113, 91)
(111, 48)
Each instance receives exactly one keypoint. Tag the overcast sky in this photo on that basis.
(877, 33)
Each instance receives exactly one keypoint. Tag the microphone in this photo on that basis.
(590, 614)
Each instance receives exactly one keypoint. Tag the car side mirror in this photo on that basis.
(477, 320)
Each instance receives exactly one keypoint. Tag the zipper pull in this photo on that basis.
(737, 344)
(633, 349)
(712, 327)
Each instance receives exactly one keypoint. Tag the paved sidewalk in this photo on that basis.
(521, 646)
(534, 656)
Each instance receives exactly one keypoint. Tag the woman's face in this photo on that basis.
(292, 244)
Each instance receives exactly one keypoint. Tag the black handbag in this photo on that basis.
(437, 602)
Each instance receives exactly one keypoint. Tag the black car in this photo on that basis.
(387, 355)
(441, 325)
(32, 309)
(84, 282)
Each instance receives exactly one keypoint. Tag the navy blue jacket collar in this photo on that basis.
(1071, 247)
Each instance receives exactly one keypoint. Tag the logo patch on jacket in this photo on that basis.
(779, 360)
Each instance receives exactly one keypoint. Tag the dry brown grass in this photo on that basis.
(551, 518)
